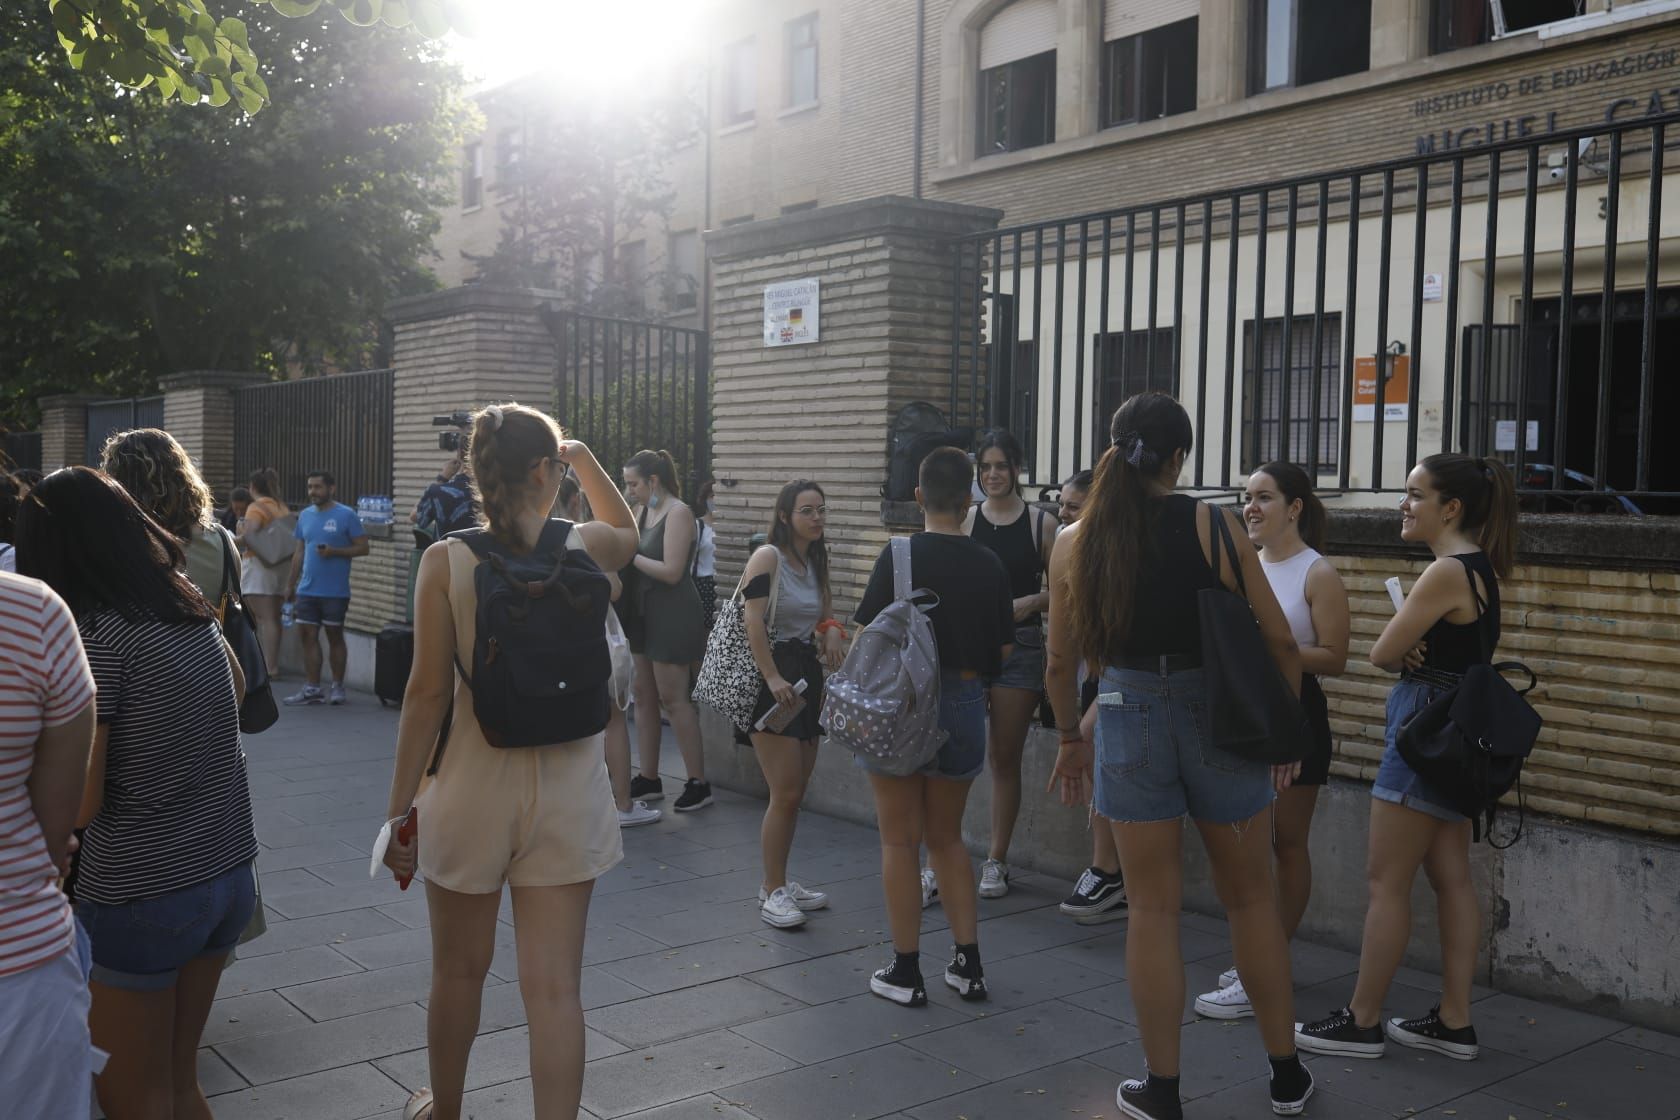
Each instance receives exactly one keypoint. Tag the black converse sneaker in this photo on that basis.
(1153, 1098)
(1292, 1084)
(1096, 893)
(695, 795)
(646, 789)
(1427, 1032)
(964, 974)
(1337, 1033)
(900, 984)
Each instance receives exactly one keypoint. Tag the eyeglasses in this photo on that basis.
(812, 511)
(994, 468)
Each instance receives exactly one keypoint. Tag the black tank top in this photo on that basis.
(1017, 546)
(1166, 616)
(1455, 646)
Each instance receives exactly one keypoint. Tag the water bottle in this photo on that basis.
(286, 615)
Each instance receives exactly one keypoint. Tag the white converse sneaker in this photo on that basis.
(779, 910)
(803, 897)
(1228, 977)
(994, 879)
(638, 814)
(1224, 1003)
(930, 887)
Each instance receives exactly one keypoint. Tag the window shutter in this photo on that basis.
(1122, 18)
(1023, 29)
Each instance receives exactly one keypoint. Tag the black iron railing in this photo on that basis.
(625, 385)
(341, 424)
(1506, 300)
(20, 451)
(106, 418)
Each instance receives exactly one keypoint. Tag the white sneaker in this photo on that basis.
(994, 879)
(1225, 1003)
(638, 814)
(930, 887)
(802, 898)
(1228, 977)
(779, 910)
(335, 693)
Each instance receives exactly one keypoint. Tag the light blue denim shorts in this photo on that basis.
(1396, 782)
(1155, 757)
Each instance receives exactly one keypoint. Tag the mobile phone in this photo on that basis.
(1395, 595)
(406, 831)
(779, 716)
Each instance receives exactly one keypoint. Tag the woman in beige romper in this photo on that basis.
(540, 819)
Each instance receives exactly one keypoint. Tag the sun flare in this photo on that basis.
(603, 47)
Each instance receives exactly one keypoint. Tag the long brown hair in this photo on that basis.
(781, 532)
(1114, 535)
(506, 441)
(157, 473)
(1488, 493)
(1295, 486)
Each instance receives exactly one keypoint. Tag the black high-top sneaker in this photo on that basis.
(964, 974)
(900, 982)
(1292, 1084)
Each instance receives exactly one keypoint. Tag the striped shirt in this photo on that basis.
(177, 808)
(44, 682)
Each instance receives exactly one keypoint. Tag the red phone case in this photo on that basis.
(406, 831)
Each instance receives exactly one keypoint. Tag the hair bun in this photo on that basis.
(494, 414)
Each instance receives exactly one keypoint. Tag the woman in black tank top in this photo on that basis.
(1124, 583)
(1464, 509)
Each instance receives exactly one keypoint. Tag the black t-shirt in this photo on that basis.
(975, 617)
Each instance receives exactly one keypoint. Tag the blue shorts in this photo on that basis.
(962, 716)
(140, 945)
(312, 610)
(1396, 782)
(1024, 667)
(1155, 757)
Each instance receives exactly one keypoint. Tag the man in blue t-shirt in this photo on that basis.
(319, 590)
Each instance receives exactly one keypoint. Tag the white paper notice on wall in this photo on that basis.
(791, 312)
(1433, 289)
(1505, 435)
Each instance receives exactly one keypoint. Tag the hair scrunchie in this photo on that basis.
(494, 412)
(1137, 454)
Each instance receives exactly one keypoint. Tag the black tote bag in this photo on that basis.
(1251, 710)
(258, 711)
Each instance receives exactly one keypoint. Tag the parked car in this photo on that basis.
(1593, 498)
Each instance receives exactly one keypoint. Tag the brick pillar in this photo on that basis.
(63, 430)
(198, 412)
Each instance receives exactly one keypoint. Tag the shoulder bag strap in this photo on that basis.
(230, 577)
(1219, 540)
(775, 595)
(901, 567)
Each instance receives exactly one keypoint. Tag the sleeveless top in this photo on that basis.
(705, 550)
(672, 621)
(1289, 583)
(798, 603)
(1455, 646)
(1016, 545)
(1166, 614)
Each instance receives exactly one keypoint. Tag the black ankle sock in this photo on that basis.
(967, 960)
(907, 964)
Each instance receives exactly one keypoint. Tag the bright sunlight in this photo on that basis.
(603, 46)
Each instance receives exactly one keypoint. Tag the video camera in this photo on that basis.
(452, 441)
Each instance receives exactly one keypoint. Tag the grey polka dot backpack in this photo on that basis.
(882, 704)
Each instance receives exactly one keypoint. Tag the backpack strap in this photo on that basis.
(1481, 608)
(901, 567)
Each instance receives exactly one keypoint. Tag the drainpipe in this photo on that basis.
(916, 129)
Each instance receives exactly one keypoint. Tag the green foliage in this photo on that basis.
(185, 51)
(139, 240)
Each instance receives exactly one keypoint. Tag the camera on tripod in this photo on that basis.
(456, 440)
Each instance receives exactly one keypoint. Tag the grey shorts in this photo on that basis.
(47, 1059)
(1024, 668)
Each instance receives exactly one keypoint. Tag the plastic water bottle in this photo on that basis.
(286, 615)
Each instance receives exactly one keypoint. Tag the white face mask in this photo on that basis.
(653, 498)
(711, 507)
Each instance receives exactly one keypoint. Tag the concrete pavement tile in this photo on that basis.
(357, 834)
(1333, 995)
(330, 899)
(246, 1016)
(1113, 1000)
(280, 970)
(497, 1057)
(641, 871)
(1647, 1039)
(1253, 1098)
(321, 1046)
(689, 927)
(1604, 1081)
(1015, 1042)
(366, 991)
(862, 892)
(657, 840)
(1018, 982)
(1070, 1089)
(614, 942)
(1107, 951)
(824, 979)
(1215, 1055)
(691, 965)
(1311, 964)
(671, 1072)
(337, 1094)
(860, 1086)
(662, 1018)
(215, 1076)
(398, 945)
(306, 855)
(292, 880)
(1431, 982)
(859, 1022)
(411, 912)
(346, 870)
(718, 861)
(1481, 1106)
(827, 932)
(1537, 1031)
(707, 1106)
(1415, 1079)
(1031, 932)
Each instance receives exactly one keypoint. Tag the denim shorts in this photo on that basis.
(1024, 667)
(1155, 757)
(313, 610)
(1396, 782)
(140, 945)
(962, 716)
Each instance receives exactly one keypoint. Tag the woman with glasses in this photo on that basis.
(793, 640)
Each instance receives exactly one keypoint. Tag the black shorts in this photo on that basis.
(796, 659)
(1315, 765)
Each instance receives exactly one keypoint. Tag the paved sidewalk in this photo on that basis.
(698, 1011)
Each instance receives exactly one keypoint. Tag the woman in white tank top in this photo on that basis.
(1286, 520)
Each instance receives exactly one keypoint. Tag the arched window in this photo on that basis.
(1018, 78)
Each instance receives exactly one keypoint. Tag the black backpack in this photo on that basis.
(916, 430)
(541, 668)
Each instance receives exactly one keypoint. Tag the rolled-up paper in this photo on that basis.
(1395, 595)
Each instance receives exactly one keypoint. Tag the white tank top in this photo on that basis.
(705, 555)
(1289, 583)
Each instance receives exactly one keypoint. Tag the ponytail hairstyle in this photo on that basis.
(1115, 533)
(660, 465)
(569, 490)
(1488, 493)
(1296, 485)
(157, 474)
(1003, 440)
(781, 530)
(265, 483)
(505, 442)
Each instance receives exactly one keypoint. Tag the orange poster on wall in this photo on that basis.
(1396, 394)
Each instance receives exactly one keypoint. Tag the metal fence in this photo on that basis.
(625, 385)
(20, 451)
(1355, 320)
(106, 418)
(341, 424)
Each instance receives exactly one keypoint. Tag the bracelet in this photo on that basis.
(830, 624)
(1069, 736)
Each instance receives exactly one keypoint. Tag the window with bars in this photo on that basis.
(1018, 104)
(1262, 396)
(1129, 363)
